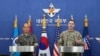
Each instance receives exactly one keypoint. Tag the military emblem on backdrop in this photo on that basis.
(51, 11)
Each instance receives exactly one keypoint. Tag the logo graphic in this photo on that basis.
(51, 11)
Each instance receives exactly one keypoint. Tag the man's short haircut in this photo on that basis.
(72, 20)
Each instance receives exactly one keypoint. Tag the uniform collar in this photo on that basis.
(26, 34)
(70, 31)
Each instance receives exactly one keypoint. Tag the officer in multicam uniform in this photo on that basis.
(27, 39)
(70, 37)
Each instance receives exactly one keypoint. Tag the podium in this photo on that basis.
(21, 48)
(71, 49)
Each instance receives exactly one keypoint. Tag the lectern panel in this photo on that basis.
(21, 48)
(75, 49)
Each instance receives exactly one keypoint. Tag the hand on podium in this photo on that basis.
(79, 42)
(35, 45)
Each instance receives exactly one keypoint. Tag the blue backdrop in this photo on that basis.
(24, 8)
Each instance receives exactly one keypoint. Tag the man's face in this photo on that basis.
(71, 25)
(26, 28)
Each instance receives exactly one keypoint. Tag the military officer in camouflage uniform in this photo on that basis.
(70, 37)
(26, 39)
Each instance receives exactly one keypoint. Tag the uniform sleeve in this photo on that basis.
(35, 41)
(19, 40)
(79, 36)
(60, 41)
